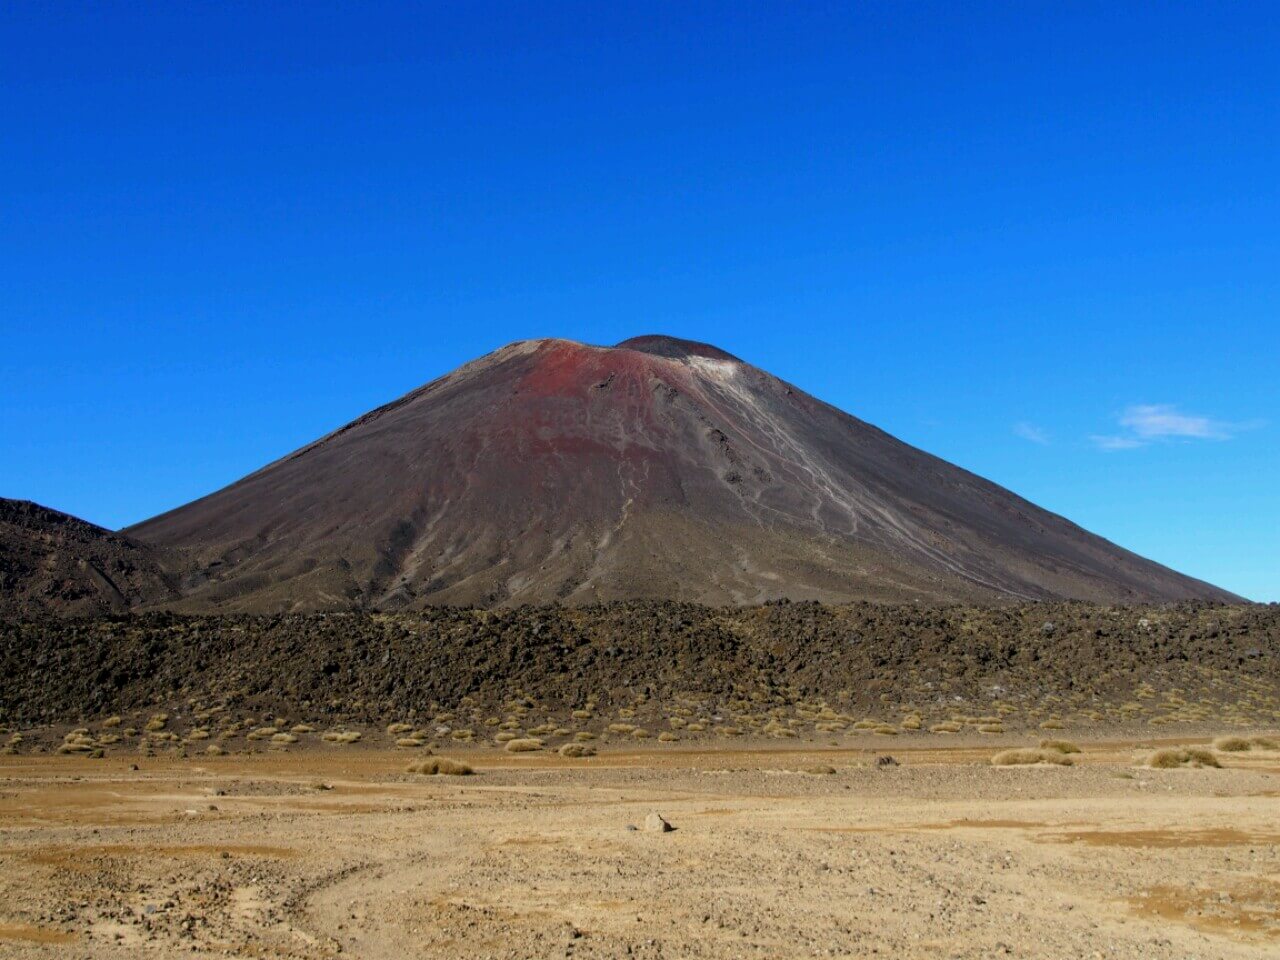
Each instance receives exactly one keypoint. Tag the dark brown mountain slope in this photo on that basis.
(657, 468)
(54, 563)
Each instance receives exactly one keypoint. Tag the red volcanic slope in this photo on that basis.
(553, 470)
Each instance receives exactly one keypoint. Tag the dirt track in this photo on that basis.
(321, 853)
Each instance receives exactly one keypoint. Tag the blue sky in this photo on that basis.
(1038, 240)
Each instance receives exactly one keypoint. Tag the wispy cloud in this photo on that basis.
(1029, 431)
(1152, 421)
(1112, 442)
(1146, 423)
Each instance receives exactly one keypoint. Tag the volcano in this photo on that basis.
(551, 470)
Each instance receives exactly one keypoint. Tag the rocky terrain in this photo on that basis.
(781, 669)
(54, 562)
(659, 468)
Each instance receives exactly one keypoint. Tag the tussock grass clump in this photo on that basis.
(214, 750)
(884, 730)
(156, 723)
(991, 728)
(666, 736)
(1265, 743)
(582, 714)
(302, 728)
(1027, 756)
(397, 728)
(284, 738)
(584, 736)
(1231, 744)
(1062, 746)
(822, 770)
(441, 766)
(524, 745)
(949, 726)
(112, 722)
(409, 743)
(1053, 725)
(576, 750)
(620, 727)
(505, 736)
(341, 736)
(1171, 758)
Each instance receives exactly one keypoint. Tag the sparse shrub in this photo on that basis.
(1026, 756)
(441, 766)
(341, 736)
(1231, 744)
(525, 745)
(1171, 758)
(1062, 746)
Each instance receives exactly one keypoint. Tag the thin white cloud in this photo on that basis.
(1116, 443)
(1029, 431)
(1147, 423)
(1153, 421)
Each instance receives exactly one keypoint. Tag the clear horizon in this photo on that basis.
(1038, 244)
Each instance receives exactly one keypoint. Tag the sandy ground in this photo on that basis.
(330, 852)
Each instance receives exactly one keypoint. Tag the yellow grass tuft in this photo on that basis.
(341, 736)
(1062, 746)
(1026, 756)
(949, 726)
(576, 750)
(1231, 744)
(441, 766)
(1170, 758)
(525, 745)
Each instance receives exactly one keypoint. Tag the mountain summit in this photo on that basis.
(554, 470)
